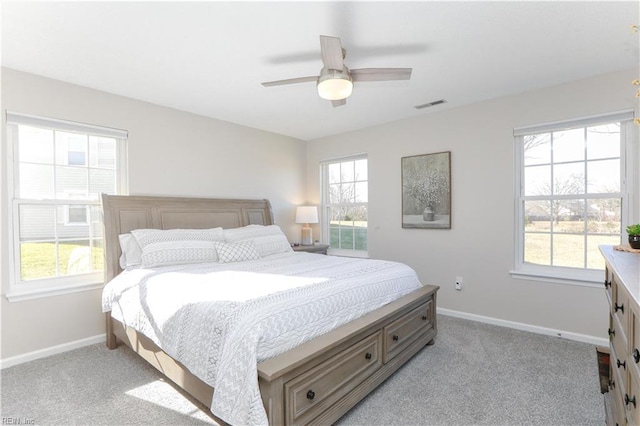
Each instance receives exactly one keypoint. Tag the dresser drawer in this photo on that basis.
(632, 400)
(310, 393)
(634, 343)
(618, 385)
(619, 342)
(620, 304)
(614, 410)
(607, 284)
(406, 329)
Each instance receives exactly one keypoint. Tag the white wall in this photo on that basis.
(169, 153)
(480, 245)
(176, 153)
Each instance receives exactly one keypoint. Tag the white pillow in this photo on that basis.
(237, 252)
(268, 239)
(131, 251)
(149, 236)
(178, 252)
(174, 246)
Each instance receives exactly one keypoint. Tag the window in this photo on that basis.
(57, 171)
(572, 193)
(76, 148)
(344, 206)
(77, 215)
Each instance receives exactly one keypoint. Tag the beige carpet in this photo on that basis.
(475, 374)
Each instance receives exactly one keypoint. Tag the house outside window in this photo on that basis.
(57, 170)
(574, 185)
(345, 196)
(76, 215)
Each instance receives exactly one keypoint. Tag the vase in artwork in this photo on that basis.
(428, 215)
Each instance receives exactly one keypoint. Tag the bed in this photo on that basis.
(313, 382)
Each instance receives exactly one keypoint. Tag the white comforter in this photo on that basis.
(221, 320)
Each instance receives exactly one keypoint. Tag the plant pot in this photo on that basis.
(634, 241)
(428, 215)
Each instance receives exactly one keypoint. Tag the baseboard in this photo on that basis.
(53, 350)
(526, 327)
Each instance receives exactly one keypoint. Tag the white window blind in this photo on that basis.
(56, 172)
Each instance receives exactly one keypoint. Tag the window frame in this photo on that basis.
(628, 184)
(326, 205)
(44, 287)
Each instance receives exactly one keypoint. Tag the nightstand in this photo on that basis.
(320, 248)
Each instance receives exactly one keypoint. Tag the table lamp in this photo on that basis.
(307, 215)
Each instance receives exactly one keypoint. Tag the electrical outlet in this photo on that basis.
(459, 283)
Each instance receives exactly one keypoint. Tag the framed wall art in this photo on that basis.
(426, 191)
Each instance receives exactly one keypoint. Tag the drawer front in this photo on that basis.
(607, 284)
(620, 307)
(614, 412)
(632, 401)
(634, 343)
(618, 386)
(406, 329)
(310, 393)
(619, 342)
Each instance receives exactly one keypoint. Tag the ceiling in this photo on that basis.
(209, 58)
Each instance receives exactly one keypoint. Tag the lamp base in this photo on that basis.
(307, 236)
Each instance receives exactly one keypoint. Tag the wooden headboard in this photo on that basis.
(122, 214)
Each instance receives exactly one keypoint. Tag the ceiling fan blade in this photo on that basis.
(339, 102)
(290, 81)
(381, 74)
(331, 48)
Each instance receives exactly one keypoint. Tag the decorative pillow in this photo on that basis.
(131, 251)
(237, 252)
(268, 239)
(149, 236)
(174, 246)
(178, 252)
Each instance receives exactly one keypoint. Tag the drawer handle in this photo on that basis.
(395, 337)
(607, 284)
(311, 394)
(612, 384)
(628, 400)
(424, 318)
(367, 356)
(612, 332)
(622, 364)
(636, 355)
(617, 308)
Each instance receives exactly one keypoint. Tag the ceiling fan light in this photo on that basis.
(335, 89)
(335, 85)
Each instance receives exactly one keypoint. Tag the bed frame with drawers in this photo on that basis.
(314, 383)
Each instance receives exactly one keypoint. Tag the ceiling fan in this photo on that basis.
(335, 82)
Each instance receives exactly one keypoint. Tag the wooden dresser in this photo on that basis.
(622, 283)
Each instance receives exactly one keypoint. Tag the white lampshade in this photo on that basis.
(307, 214)
(334, 85)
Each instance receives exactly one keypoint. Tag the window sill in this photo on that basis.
(581, 280)
(20, 295)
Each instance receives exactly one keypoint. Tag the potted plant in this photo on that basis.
(634, 235)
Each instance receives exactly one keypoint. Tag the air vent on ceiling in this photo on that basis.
(430, 104)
